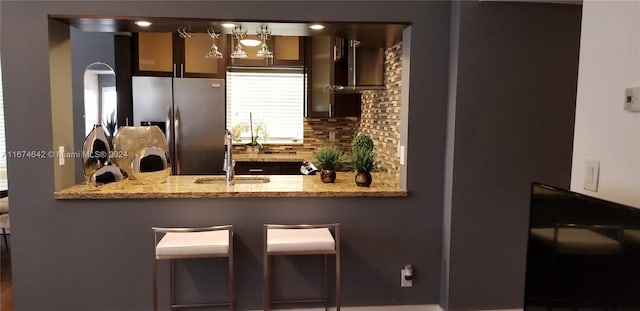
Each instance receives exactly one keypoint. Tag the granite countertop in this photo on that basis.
(273, 157)
(184, 186)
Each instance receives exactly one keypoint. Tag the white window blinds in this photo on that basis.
(274, 99)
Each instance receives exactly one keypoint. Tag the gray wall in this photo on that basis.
(514, 89)
(514, 102)
(95, 255)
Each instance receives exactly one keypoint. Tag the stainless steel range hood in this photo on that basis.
(365, 67)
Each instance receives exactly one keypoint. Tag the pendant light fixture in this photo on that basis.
(239, 34)
(264, 35)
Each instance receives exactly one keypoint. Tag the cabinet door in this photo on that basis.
(257, 168)
(196, 65)
(153, 53)
(167, 54)
(287, 51)
(323, 72)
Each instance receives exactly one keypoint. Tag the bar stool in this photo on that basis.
(285, 240)
(183, 243)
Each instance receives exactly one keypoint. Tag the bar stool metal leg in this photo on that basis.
(184, 243)
(265, 273)
(286, 240)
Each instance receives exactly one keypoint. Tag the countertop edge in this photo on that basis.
(224, 195)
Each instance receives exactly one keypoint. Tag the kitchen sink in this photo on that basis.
(237, 180)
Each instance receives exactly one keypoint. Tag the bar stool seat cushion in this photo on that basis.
(300, 240)
(197, 244)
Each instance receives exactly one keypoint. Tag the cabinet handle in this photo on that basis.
(175, 72)
(256, 170)
(181, 70)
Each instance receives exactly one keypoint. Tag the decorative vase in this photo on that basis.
(95, 151)
(107, 174)
(144, 145)
(363, 179)
(327, 176)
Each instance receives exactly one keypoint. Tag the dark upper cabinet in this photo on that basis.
(167, 54)
(288, 51)
(327, 67)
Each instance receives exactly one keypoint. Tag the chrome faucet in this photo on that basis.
(229, 164)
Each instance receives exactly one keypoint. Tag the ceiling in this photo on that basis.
(370, 34)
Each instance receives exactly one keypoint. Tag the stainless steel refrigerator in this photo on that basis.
(192, 112)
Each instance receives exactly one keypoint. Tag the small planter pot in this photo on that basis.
(327, 176)
(363, 179)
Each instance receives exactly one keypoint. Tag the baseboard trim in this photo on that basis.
(377, 308)
(391, 308)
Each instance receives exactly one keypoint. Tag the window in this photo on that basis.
(272, 100)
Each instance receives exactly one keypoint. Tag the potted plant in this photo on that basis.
(362, 141)
(362, 158)
(328, 158)
(257, 131)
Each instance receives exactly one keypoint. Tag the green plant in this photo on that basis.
(362, 159)
(328, 157)
(362, 141)
(256, 132)
(110, 124)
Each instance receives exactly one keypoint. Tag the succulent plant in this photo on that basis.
(328, 157)
(362, 159)
(362, 141)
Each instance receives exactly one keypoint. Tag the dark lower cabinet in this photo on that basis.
(268, 168)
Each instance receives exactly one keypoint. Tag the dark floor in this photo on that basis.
(6, 287)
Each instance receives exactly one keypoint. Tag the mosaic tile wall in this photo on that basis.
(380, 119)
(316, 134)
(381, 112)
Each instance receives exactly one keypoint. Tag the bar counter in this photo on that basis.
(185, 186)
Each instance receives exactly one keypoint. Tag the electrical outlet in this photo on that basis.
(61, 155)
(406, 276)
(591, 174)
(632, 99)
(332, 136)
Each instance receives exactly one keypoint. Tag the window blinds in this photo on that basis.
(275, 99)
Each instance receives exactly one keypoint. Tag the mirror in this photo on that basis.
(100, 100)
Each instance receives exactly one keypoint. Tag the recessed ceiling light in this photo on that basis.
(143, 23)
(228, 25)
(316, 26)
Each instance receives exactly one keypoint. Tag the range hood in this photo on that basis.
(365, 66)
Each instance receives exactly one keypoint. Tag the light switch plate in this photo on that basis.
(632, 99)
(60, 155)
(591, 175)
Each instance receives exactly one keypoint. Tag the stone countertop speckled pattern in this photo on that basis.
(184, 186)
(273, 157)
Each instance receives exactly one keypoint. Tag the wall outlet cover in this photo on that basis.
(591, 175)
(632, 99)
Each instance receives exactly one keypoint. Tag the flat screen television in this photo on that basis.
(582, 252)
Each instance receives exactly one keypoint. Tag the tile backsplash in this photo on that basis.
(380, 119)
(381, 112)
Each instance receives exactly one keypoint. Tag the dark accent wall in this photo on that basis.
(515, 92)
(96, 254)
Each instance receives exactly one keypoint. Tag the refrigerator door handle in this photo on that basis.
(168, 129)
(176, 138)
